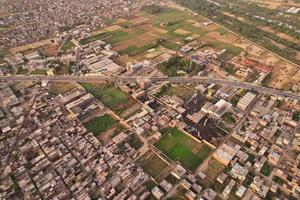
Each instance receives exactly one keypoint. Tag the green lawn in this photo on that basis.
(68, 45)
(39, 72)
(183, 148)
(296, 115)
(108, 94)
(229, 118)
(249, 178)
(185, 26)
(100, 124)
(266, 169)
(135, 142)
(168, 15)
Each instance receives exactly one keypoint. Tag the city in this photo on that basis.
(141, 99)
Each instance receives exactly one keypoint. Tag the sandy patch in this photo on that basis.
(121, 21)
(226, 38)
(269, 59)
(138, 20)
(144, 39)
(122, 45)
(181, 32)
(31, 46)
(284, 75)
(191, 21)
(211, 27)
(160, 30)
(113, 28)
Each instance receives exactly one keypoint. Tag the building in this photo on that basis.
(104, 66)
(84, 107)
(245, 101)
(239, 172)
(226, 153)
(157, 193)
(137, 66)
(216, 110)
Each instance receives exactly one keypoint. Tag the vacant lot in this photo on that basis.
(180, 91)
(182, 148)
(213, 169)
(153, 164)
(100, 124)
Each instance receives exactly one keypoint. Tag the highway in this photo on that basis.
(194, 79)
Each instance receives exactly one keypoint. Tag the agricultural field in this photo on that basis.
(113, 97)
(100, 124)
(146, 36)
(181, 147)
(135, 35)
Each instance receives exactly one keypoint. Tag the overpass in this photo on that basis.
(194, 79)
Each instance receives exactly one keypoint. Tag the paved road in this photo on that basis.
(195, 79)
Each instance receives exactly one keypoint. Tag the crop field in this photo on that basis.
(100, 124)
(135, 35)
(182, 148)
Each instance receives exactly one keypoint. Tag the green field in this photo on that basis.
(170, 45)
(100, 36)
(182, 148)
(108, 94)
(229, 48)
(120, 36)
(266, 169)
(100, 124)
(135, 142)
(185, 26)
(228, 117)
(68, 45)
(39, 72)
(133, 50)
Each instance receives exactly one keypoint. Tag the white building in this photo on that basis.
(245, 101)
